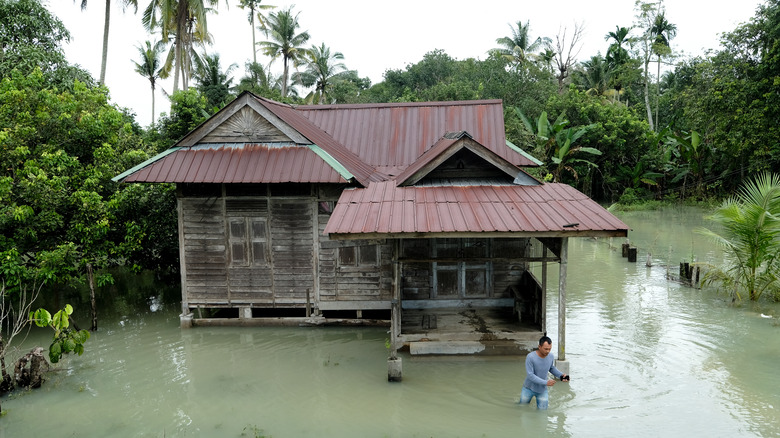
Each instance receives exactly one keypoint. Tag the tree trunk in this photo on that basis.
(91, 279)
(657, 90)
(647, 94)
(152, 103)
(29, 369)
(254, 42)
(104, 58)
(6, 383)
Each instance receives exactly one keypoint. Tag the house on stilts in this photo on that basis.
(417, 215)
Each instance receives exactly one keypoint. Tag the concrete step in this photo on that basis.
(487, 348)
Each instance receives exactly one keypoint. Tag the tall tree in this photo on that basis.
(255, 7)
(565, 53)
(212, 82)
(520, 47)
(150, 66)
(106, 24)
(185, 22)
(646, 15)
(663, 32)
(617, 57)
(322, 71)
(285, 42)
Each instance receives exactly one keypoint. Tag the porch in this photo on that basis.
(495, 330)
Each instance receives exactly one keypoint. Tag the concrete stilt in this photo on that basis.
(185, 320)
(394, 369)
(563, 366)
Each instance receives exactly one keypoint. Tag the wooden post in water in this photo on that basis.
(394, 364)
(632, 254)
(562, 299)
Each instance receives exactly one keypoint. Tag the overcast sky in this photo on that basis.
(377, 36)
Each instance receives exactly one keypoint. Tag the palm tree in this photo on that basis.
(213, 83)
(106, 23)
(260, 81)
(519, 47)
(322, 71)
(663, 32)
(150, 67)
(594, 75)
(185, 22)
(285, 43)
(254, 5)
(617, 57)
(750, 223)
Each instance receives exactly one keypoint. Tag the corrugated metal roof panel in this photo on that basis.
(538, 210)
(250, 163)
(396, 134)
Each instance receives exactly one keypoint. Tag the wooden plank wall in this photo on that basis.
(292, 246)
(203, 227)
(349, 283)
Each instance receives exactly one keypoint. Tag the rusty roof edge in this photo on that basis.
(520, 151)
(332, 162)
(397, 104)
(138, 167)
(361, 171)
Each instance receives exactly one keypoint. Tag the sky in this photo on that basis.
(379, 36)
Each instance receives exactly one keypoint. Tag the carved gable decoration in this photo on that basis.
(245, 126)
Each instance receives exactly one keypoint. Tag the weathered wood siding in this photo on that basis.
(292, 246)
(354, 271)
(205, 258)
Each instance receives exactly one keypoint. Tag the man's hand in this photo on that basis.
(550, 382)
(565, 378)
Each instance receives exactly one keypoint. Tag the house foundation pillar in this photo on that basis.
(185, 320)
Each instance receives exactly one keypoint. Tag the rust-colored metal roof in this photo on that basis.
(546, 210)
(242, 163)
(394, 135)
(362, 171)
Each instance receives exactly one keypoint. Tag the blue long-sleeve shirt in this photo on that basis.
(537, 367)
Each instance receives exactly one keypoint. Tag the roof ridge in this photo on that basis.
(396, 104)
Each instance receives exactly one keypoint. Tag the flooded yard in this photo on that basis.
(649, 357)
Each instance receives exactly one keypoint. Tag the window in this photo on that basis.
(248, 241)
(363, 255)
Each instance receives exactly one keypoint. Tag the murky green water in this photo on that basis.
(648, 357)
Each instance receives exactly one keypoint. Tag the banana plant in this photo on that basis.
(555, 143)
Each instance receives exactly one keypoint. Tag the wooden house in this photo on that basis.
(414, 214)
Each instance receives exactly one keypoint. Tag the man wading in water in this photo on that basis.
(537, 364)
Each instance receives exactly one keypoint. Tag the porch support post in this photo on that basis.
(562, 364)
(186, 317)
(394, 366)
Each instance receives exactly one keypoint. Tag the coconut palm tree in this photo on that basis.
(106, 24)
(519, 47)
(322, 71)
(255, 7)
(150, 66)
(285, 42)
(184, 22)
(750, 236)
(663, 31)
(213, 83)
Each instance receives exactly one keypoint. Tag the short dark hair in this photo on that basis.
(545, 340)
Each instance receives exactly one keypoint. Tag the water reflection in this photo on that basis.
(648, 357)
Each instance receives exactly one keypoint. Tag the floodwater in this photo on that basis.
(648, 357)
